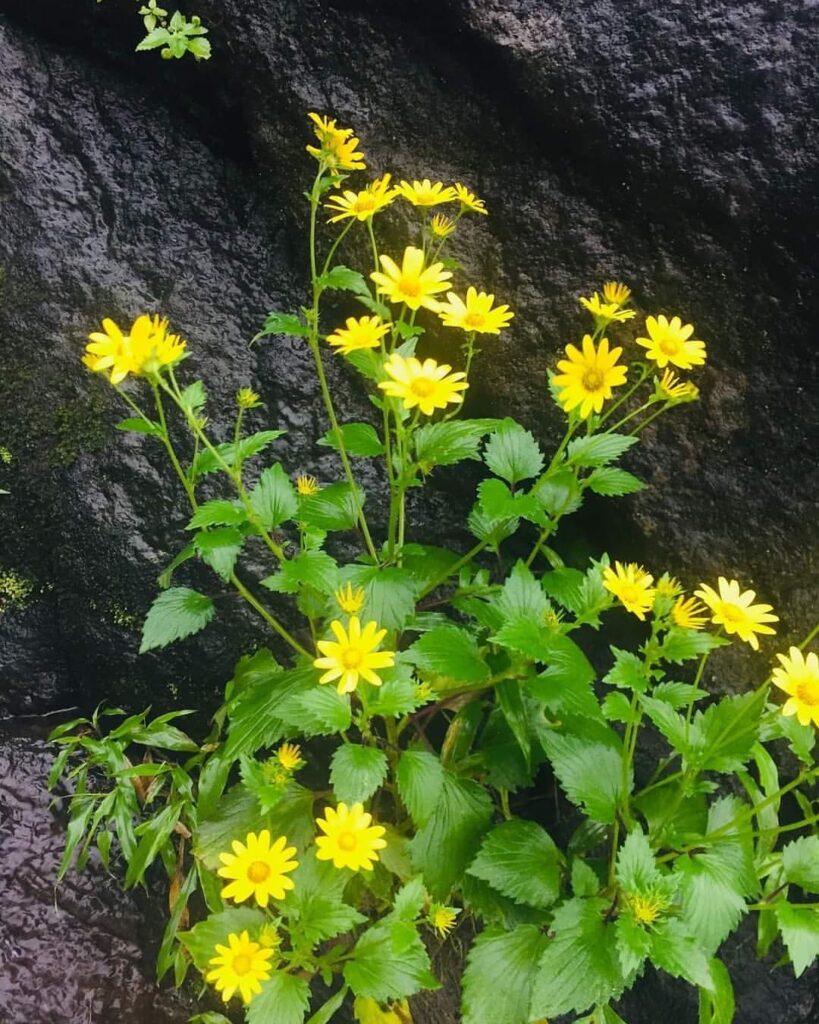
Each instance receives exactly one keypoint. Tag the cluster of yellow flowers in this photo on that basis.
(145, 350)
(589, 374)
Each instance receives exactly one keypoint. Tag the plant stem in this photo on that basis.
(269, 619)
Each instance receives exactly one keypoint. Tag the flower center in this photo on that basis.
(351, 658)
(422, 387)
(409, 286)
(475, 320)
(242, 964)
(347, 841)
(646, 909)
(629, 594)
(365, 203)
(731, 614)
(593, 380)
(258, 871)
(807, 690)
(669, 346)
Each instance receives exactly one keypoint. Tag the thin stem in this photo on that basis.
(624, 397)
(631, 415)
(465, 560)
(269, 619)
(649, 419)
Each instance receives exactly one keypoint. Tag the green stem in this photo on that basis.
(649, 419)
(456, 568)
(631, 416)
(269, 619)
(626, 396)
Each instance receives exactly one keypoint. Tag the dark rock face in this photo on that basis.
(671, 145)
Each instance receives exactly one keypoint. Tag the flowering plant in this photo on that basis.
(364, 787)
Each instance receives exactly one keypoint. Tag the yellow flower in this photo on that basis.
(353, 655)
(799, 678)
(668, 586)
(441, 226)
(411, 283)
(589, 376)
(734, 611)
(425, 193)
(428, 385)
(349, 600)
(442, 918)
(647, 907)
(289, 756)
(672, 389)
(631, 585)
(255, 868)
(146, 349)
(605, 312)
(476, 314)
(337, 146)
(364, 204)
(688, 613)
(368, 1011)
(350, 839)
(307, 485)
(615, 292)
(469, 201)
(668, 342)
(365, 332)
(241, 965)
(247, 398)
(269, 936)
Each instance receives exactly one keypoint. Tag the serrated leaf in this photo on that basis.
(207, 462)
(445, 444)
(520, 860)
(564, 586)
(500, 972)
(274, 498)
(320, 711)
(559, 494)
(612, 482)
(496, 501)
(315, 569)
(333, 508)
(512, 453)
(389, 962)
(389, 594)
(284, 323)
(202, 939)
(800, 862)
(219, 548)
(344, 279)
(420, 779)
(449, 651)
(590, 773)
(580, 966)
(284, 998)
(356, 772)
(636, 867)
(598, 449)
(729, 730)
(800, 933)
(217, 513)
(360, 439)
(175, 614)
(315, 904)
(678, 953)
(522, 594)
(682, 645)
(628, 671)
(140, 426)
(717, 1000)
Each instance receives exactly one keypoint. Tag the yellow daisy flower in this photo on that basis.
(799, 678)
(442, 919)
(350, 839)
(631, 585)
(307, 485)
(247, 398)
(668, 586)
(669, 342)
(337, 146)
(353, 655)
(587, 377)
(349, 600)
(428, 385)
(647, 907)
(441, 226)
(289, 756)
(476, 314)
(425, 193)
(605, 312)
(269, 936)
(615, 292)
(672, 389)
(688, 613)
(145, 349)
(368, 1011)
(364, 204)
(241, 964)
(734, 611)
(364, 332)
(411, 283)
(255, 868)
(469, 201)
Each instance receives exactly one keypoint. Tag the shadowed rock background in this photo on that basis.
(672, 145)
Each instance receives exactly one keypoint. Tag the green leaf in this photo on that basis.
(500, 972)
(717, 1001)
(633, 943)
(628, 671)
(284, 999)
(584, 879)
(445, 444)
(449, 651)
(560, 494)
(565, 686)
(255, 720)
(389, 594)
(580, 966)
(612, 482)
(522, 595)
(309, 568)
(443, 847)
(219, 548)
(512, 453)
(800, 933)
(314, 907)
(800, 861)
(397, 695)
(207, 462)
(590, 773)
(321, 711)
(344, 279)
(729, 730)
(175, 614)
(140, 426)
(389, 962)
(217, 513)
(678, 953)
(636, 868)
(356, 772)
(164, 578)
(328, 1010)
(153, 833)
(564, 586)
(492, 529)
(153, 40)
(598, 449)
(420, 779)
(202, 939)
(682, 645)
(333, 508)
(360, 439)
(496, 501)
(670, 723)
(274, 498)
(283, 323)
(520, 860)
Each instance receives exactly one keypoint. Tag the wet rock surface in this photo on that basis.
(671, 145)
